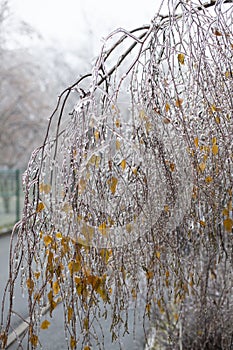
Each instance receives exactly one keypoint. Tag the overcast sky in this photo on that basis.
(67, 21)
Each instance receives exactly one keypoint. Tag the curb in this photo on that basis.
(5, 232)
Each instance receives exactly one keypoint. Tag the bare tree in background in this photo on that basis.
(28, 84)
(131, 198)
(27, 89)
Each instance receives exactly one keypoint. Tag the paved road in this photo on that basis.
(53, 338)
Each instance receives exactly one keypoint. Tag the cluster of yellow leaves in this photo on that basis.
(97, 283)
(214, 149)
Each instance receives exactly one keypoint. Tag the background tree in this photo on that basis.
(120, 205)
(30, 78)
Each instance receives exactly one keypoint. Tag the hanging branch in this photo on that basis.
(129, 199)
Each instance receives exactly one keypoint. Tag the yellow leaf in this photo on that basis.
(214, 140)
(215, 149)
(217, 119)
(105, 254)
(123, 164)
(148, 126)
(103, 228)
(67, 208)
(70, 314)
(87, 231)
(37, 274)
(34, 340)
(202, 167)
(113, 184)
(45, 324)
(179, 102)
(117, 123)
(134, 170)
(58, 235)
(46, 188)
(208, 179)
(217, 32)
(56, 287)
(82, 185)
(172, 166)
(196, 142)
(128, 227)
(202, 223)
(72, 343)
(86, 323)
(40, 207)
(148, 306)
(157, 255)
(74, 266)
(181, 58)
(166, 120)
(30, 285)
(134, 293)
(95, 160)
(47, 240)
(86, 347)
(228, 224)
(215, 109)
(167, 107)
(96, 135)
(225, 212)
(143, 115)
(149, 274)
(118, 145)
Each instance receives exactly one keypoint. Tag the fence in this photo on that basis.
(10, 197)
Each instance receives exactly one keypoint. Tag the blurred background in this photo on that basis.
(45, 45)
